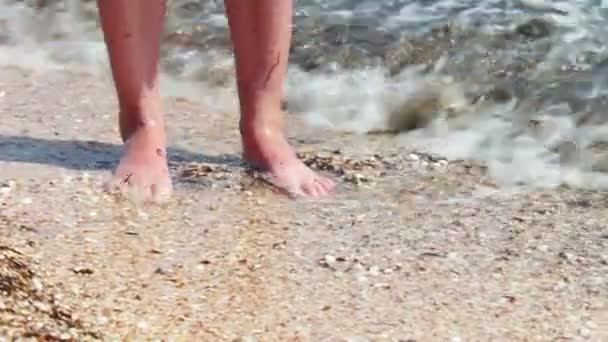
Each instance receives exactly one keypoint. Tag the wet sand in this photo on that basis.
(411, 248)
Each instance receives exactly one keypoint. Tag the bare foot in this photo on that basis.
(143, 174)
(269, 151)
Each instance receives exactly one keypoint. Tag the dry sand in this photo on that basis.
(410, 248)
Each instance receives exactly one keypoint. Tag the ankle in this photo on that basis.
(132, 120)
(154, 129)
(261, 119)
(256, 130)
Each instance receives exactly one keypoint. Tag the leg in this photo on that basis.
(132, 31)
(261, 34)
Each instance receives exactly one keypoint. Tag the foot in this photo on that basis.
(269, 151)
(142, 173)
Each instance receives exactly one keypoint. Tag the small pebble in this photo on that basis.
(329, 259)
(359, 267)
(560, 285)
(37, 284)
(362, 279)
(42, 306)
(413, 157)
(142, 325)
(27, 200)
(374, 271)
(591, 325)
(356, 339)
(102, 320)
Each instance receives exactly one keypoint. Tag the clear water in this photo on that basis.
(355, 64)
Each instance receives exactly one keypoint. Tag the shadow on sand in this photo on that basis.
(87, 154)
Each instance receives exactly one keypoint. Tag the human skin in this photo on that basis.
(261, 35)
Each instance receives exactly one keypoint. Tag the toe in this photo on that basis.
(320, 188)
(138, 192)
(327, 184)
(112, 185)
(160, 193)
(130, 186)
(310, 189)
(119, 183)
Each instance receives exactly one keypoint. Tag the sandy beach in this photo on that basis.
(412, 247)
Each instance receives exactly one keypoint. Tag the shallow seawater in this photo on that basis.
(521, 85)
